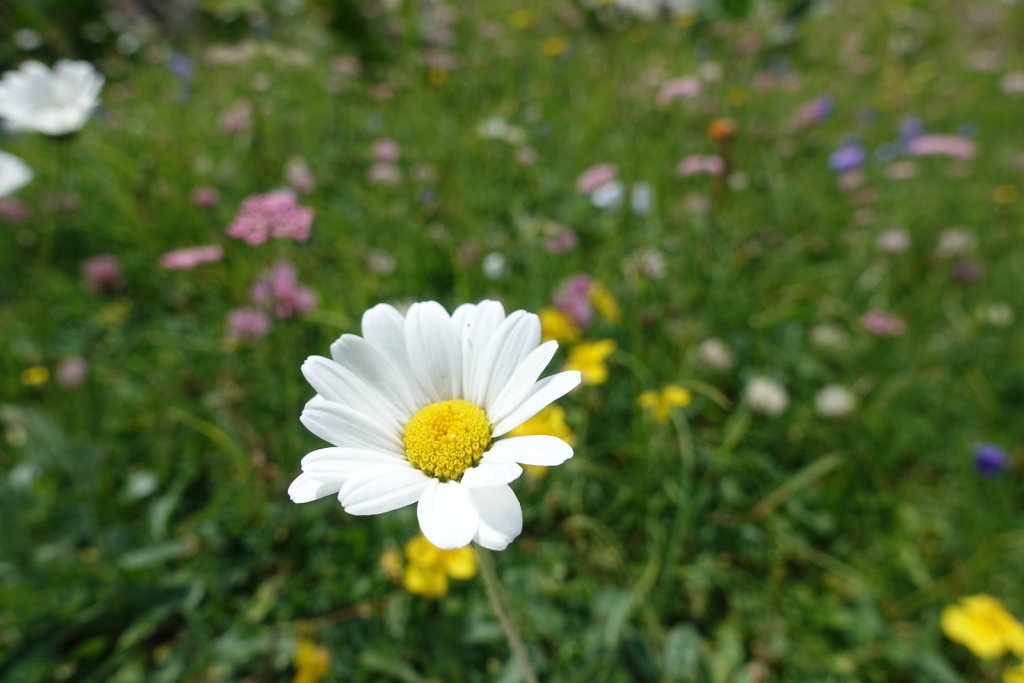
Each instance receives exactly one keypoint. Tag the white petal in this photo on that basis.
(305, 488)
(383, 489)
(447, 517)
(343, 426)
(521, 382)
(338, 383)
(501, 516)
(510, 344)
(490, 473)
(344, 462)
(377, 370)
(434, 351)
(544, 392)
(529, 450)
(475, 325)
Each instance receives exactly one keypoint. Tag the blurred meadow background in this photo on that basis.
(781, 239)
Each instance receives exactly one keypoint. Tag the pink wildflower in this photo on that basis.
(102, 273)
(190, 257)
(942, 145)
(280, 289)
(71, 371)
(883, 324)
(596, 176)
(204, 197)
(573, 298)
(685, 87)
(248, 324)
(14, 210)
(275, 214)
(712, 164)
(299, 176)
(386, 151)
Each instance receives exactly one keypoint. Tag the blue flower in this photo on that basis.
(848, 157)
(990, 459)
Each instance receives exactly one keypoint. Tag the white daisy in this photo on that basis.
(14, 174)
(56, 102)
(414, 409)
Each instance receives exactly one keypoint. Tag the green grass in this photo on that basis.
(146, 532)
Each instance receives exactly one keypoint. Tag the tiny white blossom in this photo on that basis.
(835, 402)
(766, 396)
(716, 354)
(14, 174)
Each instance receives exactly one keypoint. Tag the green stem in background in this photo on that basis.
(498, 604)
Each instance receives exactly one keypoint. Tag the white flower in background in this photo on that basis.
(766, 396)
(954, 242)
(494, 265)
(56, 102)
(829, 337)
(609, 195)
(641, 198)
(414, 410)
(14, 174)
(893, 240)
(716, 354)
(835, 402)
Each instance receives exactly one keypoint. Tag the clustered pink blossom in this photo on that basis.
(190, 257)
(712, 164)
(279, 289)
(596, 177)
(573, 298)
(275, 214)
(204, 197)
(942, 145)
(71, 371)
(386, 151)
(247, 324)
(684, 87)
(102, 273)
(883, 324)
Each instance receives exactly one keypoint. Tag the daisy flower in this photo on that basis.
(52, 102)
(415, 408)
(14, 174)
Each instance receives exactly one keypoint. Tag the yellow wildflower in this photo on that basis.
(662, 402)
(548, 422)
(605, 303)
(737, 97)
(34, 376)
(311, 662)
(589, 358)
(1005, 194)
(982, 624)
(391, 563)
(558, 326)
(554, 46)
(428, 567)
(521, 19)
(1014, 674)
(684, 19)
(437, 77)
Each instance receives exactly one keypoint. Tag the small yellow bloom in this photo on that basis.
(555, 46)
(428, 567)
(684, 19)
(558, 326)
(548, 422)
(391, 563)
(311, 662)
(1014, 674)
(662, 402)
(437, 77)
(1005, 194)
(605, 303)
(34, 376)
(982, 624)
(521, 19)
(737, 97)
(589, 358)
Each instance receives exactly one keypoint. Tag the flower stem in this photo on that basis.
(496, 596)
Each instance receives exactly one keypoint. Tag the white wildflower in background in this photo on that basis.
(766, 396)
(14, 174)
(609, 195)
(716, 354)
(829, 337)
(954, 242)
(494, 265)
(56, 102)
(835, 402)
(414, 410)
(894, 240)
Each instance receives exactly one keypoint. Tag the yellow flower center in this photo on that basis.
(447, 438)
